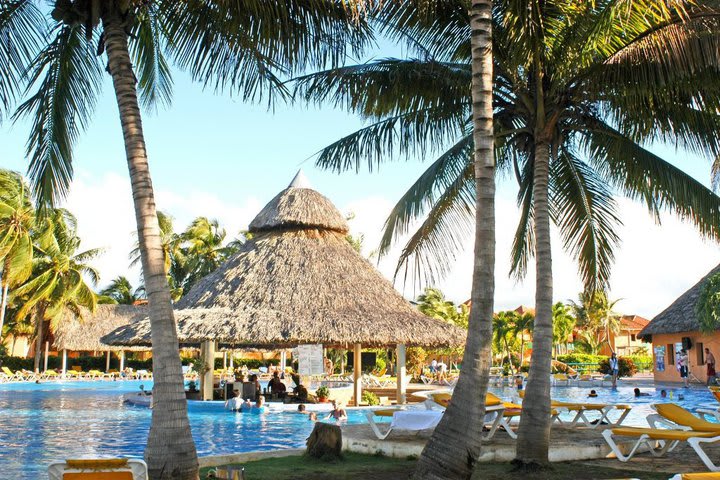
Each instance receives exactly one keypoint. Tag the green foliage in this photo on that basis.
(370, 398)
(322, 392)
(380, 364)
(626, 367)
(581, 358)
(415, 360)
(707, 307)
(434, 304)
(642, 362)
(250, 363)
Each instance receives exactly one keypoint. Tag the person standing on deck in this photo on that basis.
(614, 369)
(710, 365)
(683, 366)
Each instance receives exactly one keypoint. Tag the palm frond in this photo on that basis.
(417, 132)
(245, 46)
(147, 49)
(431, 250)
(585, 212)
(523, 247)
(22, 27)
(68, 78)
(643, 175)
(423, 194)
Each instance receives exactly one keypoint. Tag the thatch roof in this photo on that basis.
(298, 280)
(680, 315)
(83, 334)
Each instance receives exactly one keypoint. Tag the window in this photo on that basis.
(700, 353)
(670, 354)
(632, 337)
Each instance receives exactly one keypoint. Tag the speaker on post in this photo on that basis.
(686, 343)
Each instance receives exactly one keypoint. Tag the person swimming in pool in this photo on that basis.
(338, 412)
(638, 393)
(592, 394)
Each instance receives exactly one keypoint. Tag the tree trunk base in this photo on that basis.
(522, 466)
(325, 442)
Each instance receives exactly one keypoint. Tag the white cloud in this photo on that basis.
(654, 264)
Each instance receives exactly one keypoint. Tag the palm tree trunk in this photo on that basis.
(170, 451)
(534, 432)
(39, 320)
(454, 447)
(3, 302)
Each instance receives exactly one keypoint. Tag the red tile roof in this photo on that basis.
(633, 322)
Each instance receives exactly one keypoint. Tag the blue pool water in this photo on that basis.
(57, 420)
(53, 421)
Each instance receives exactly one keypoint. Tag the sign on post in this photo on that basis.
(310, 360)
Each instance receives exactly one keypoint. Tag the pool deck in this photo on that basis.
(566, 444)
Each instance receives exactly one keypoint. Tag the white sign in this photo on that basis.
(310, 360)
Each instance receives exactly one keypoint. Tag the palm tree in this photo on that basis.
(120, 291)
(17, 220)
(237, 46)
(522, 326)
(58, 279)
(563, 326)
(203, 247)
(503, 326)
(594, 312)
(579, 89)
(434, 304)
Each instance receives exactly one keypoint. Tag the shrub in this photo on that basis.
(580, 358)
(322, 392)
(626, 367)
(370, 398)
(380, 364)
(642, 362)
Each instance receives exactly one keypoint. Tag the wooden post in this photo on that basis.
(357, 374)
(207, 387)
(107, 361)
(400, 372)
(225, 360)
(64, 363)
(283, 360)
(122, 360)
(47, 351)
(232, 359)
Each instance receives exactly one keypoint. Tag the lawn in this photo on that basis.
(373, 467)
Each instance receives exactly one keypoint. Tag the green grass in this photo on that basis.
(353, 466)
(374, 467)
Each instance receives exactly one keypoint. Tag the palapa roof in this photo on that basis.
(83, 333)
(680, 315)
(298, 280)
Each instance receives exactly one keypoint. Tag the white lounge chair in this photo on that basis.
(106, 468)
(658, 441)
(418, 420)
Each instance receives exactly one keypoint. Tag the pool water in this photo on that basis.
(42, 423)
(52, 421)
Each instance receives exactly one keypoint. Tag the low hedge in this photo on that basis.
(626, 367)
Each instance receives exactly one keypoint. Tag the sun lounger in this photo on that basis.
(49, 375)
(658, 441)
(697, 476)
(674, 416)
(418, 420)
(560, 378)
(581, 409)
(99, 469)
(441, 400)
(13, 375)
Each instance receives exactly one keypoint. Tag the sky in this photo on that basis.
(213, 155)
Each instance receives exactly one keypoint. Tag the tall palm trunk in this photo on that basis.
(534, 432)
(39, 324)
(170, 451)
(5, 284)
(454, 447)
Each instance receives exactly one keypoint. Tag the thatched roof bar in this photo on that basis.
(83, 334)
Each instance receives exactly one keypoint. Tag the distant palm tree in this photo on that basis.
(595, 315)
(202, 244)
(120, 291)
(563, 326)
(17, 221)
(434, 304)
(522, 326)
(58, 279)
(503, 326)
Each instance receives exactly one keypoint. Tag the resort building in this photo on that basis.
(626, 341)
(675, 328)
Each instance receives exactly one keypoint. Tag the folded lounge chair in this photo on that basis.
(417, 420)
(697, 476)
(674, 416)
(659, 441)
(99, 469)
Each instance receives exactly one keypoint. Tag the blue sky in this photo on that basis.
(216, 156)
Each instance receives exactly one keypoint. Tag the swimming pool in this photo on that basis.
(57, 420)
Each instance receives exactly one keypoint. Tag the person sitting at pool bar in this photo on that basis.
(276, 386)
(234, 403)
(258, 388)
